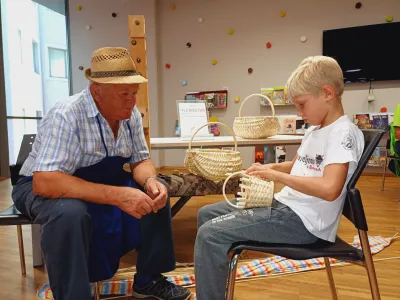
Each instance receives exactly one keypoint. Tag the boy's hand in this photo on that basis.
(263, 171)
(258, 166)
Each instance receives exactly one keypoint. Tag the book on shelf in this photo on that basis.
(380, 122)
(374, 120)
(377, 158)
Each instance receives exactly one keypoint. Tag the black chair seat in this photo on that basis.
(11, 216)
(340, 250)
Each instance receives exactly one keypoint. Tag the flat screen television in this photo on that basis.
(365, 53)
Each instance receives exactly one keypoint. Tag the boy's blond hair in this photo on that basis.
(312, 74)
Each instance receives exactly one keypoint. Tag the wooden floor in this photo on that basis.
(383, 215)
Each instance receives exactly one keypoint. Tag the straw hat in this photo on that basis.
(113, 65)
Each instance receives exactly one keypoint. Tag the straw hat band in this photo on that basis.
(103, 74)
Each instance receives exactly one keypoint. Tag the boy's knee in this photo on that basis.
(203, 215)
(204, 232)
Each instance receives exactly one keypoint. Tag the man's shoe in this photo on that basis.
(161, 289)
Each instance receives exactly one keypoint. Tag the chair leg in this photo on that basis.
(369, 265)
(330, 278)
(232, 275)
(384, 174)
(96, 287)
(21, 249)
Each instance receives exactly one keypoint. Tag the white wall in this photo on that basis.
(109, 31)
(255, 22)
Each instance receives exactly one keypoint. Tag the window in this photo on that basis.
(58, 62)
(35, 49)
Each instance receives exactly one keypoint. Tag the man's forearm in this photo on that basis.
(318, 187)
(55, 185)
(143, 170)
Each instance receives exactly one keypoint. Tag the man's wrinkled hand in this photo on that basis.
(158, 192)
(136, 203)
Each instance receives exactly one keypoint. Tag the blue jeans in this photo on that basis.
(220, 225)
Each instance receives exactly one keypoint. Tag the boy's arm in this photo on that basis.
(284, 167)
(327, 187)
(344, 148)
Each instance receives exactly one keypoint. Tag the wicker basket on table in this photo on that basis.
(213, 164)
(254, 191)
(256, 127)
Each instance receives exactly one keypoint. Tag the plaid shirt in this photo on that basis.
(69, 138)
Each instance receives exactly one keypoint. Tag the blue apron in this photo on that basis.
(115, 232)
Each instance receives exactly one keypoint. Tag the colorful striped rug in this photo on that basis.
(121, 284)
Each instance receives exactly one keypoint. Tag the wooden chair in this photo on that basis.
(353, 211)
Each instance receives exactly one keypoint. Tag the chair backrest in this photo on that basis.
(25, 149)
(353, 208)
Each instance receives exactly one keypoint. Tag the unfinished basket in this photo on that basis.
(213, 164)
(254, 192)
(256, 127)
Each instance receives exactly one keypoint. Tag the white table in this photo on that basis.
(165, 143)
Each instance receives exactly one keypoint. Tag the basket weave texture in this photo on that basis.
(254, 192)
(256, 127)
(213, 164)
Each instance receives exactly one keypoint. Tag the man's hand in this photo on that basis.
(157, 191)
(136, 203)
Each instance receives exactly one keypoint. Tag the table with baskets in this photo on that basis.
(209, 166)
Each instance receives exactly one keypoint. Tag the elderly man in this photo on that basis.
(91, 210)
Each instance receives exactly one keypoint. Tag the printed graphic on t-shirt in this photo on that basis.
(348, 142)
(312, 163)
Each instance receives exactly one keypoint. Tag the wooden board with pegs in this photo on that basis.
(137, 50)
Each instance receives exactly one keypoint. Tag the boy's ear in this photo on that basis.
(328, 92)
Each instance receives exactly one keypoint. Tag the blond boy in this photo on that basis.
(310, 205)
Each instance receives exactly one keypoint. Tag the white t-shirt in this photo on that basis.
(339, 142)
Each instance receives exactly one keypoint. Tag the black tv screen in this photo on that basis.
(365, 53)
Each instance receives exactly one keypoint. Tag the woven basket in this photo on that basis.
(256, 127)
(254, 192)
(213, 164)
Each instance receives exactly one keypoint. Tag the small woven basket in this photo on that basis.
(256, 127)
(254, 192)
(213, 164)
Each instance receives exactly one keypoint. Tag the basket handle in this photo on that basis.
(224, 186)
(259, 95)
(233, 134)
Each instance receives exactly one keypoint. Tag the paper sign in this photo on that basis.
(191, 117)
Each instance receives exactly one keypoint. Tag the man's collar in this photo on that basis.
(92, 110)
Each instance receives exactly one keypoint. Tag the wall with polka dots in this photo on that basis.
(249, 45)
(213, 44)
(101, 23)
